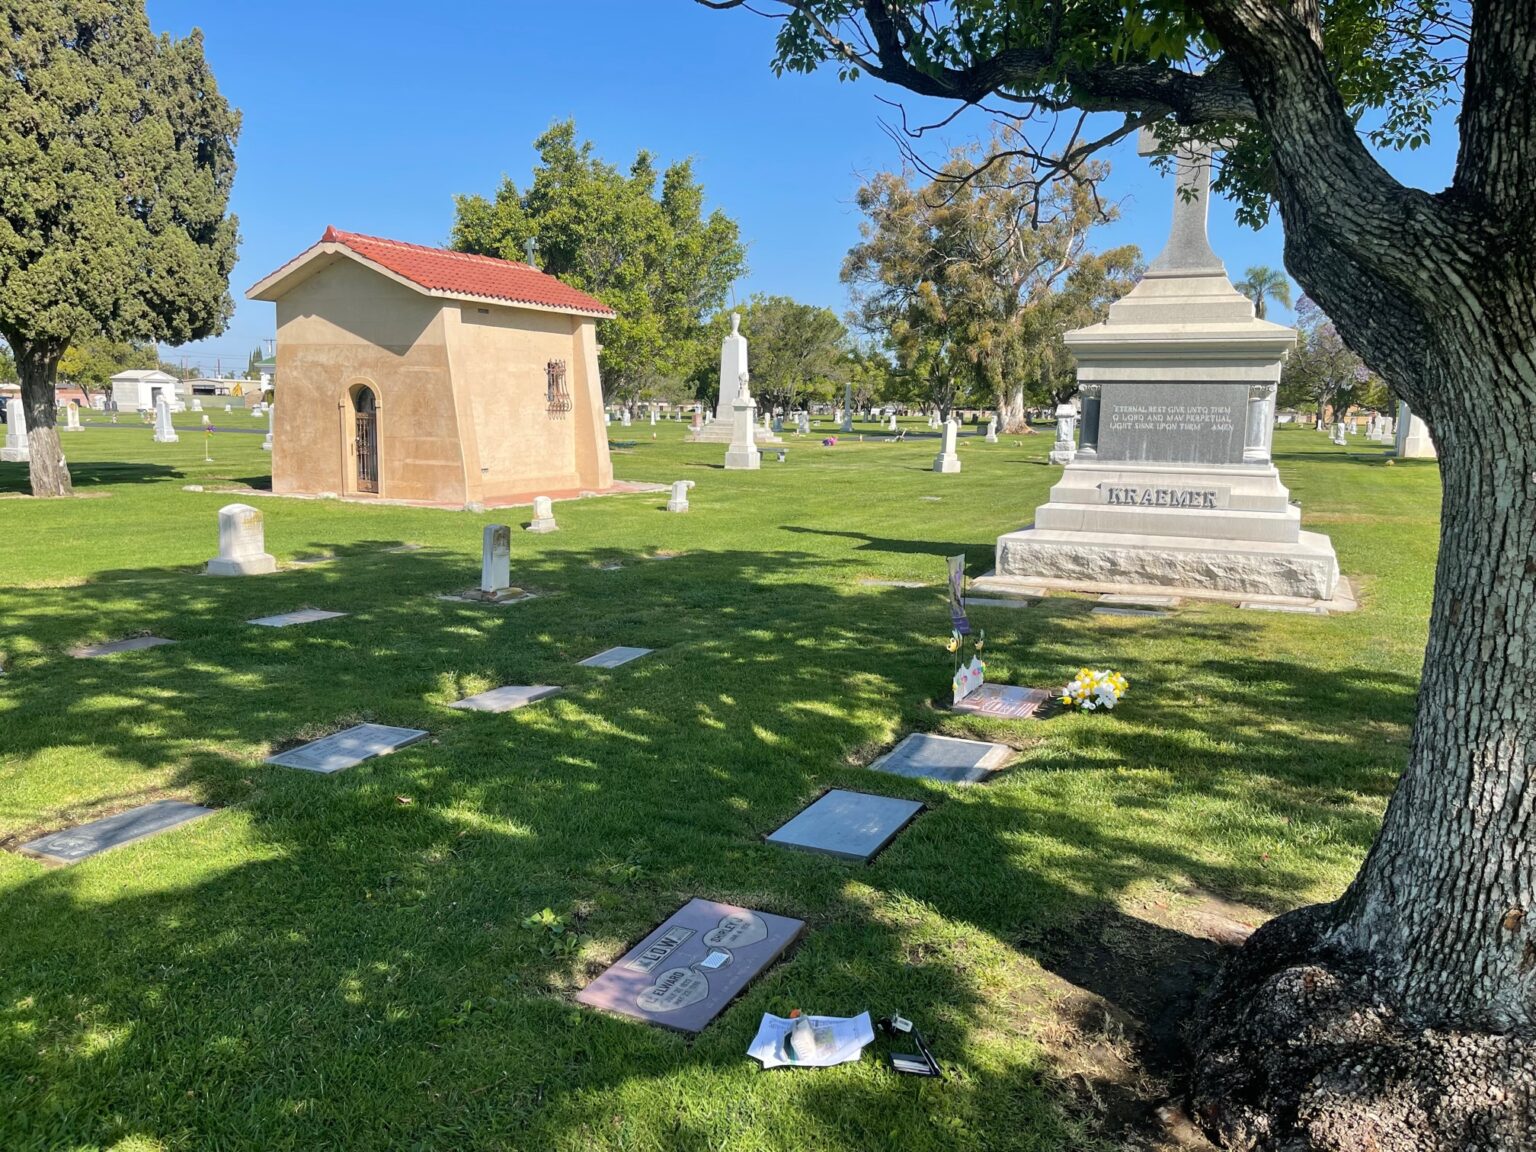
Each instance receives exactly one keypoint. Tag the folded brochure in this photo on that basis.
(839, 1040)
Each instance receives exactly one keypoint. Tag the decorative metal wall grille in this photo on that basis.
(559, 396)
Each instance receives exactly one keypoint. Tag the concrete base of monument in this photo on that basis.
(1303, 572)
(720, 433)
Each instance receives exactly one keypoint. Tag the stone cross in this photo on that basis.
(679, 500)
(165, 432)
(1189, 247)
(17, 448)
(495, 559)
(242, 544)
(543, 515)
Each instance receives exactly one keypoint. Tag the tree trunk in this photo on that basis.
(1012, 416)
(37, 367)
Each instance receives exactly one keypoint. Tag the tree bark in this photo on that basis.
(1013, 417)
(37, 365)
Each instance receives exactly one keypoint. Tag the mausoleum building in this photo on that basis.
(421, 374)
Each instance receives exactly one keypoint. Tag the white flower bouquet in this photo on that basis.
(1093, 691)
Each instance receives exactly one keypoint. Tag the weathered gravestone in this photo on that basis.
(613, 657)
(679, 499)
(266, 441)
(945, 758)
(849, 825)
(77, 843)
(683, 974)
(506, 698)
(17, 448)
(543, 515)
(1412, 439)
(165, 431)
(1065, 448)
(496, 564)
(242, 544)
(948, 460)
(347, 748)
(743, 453)
(991, 437)
(72, 418)
(112, 648)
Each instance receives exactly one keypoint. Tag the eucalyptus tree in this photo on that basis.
(1402, 1014)
(118, 160)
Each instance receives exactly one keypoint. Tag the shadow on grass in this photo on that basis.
(345, 953)
(90, 474)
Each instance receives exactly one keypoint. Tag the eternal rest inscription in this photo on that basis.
(1173, 423)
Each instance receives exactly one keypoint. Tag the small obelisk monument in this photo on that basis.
(733, 369)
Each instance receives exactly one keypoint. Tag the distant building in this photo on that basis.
(136, 389)
(416, 373)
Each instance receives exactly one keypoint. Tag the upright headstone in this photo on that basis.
(653, 417)
(543, 515)
(698, 420)
(1064, 451)
(624, 418)
(165, 433)
(948, 460)
(197, 405)
(495, 561)
(848, 407)
(803, 423)
(1413, 442)
(17, 447)
(242, 544)
(607, 419)
(229, 407)
(892, 426)
(72, 418)
(679, 500)
(991, 437)
(266, 441)
(207, 423)
(743, 453)
(1172, 485)
(1338, 435)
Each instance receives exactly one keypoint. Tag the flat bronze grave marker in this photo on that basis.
(684, 973)
(74, 844)
(506, 698)
(613, 657)
(302, 616)
(947, 758)
(133, 644)
(1004, 702)
(347, 748)
(849, 825)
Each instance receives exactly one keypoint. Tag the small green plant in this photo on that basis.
(554, 941)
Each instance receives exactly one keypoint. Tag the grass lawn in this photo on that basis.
(340, 961)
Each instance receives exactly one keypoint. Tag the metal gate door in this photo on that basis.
(367, 443)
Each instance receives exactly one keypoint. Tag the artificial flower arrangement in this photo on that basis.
(968, 676)
(1092, 691)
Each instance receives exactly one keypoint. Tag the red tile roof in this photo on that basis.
(439, 270)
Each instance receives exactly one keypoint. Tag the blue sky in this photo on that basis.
(372, 115)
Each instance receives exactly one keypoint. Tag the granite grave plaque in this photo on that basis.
(613, 657)
(1153, 613)
(347, 748)
(1132, 600)
(1296, 609)
(945, 758)
(302, 616)
(74, 844)
(684, 973)
(1004, 702)
(1173, 423)
(849, 825)
(506, 698)
(133, 644)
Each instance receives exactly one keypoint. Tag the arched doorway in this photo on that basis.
(366, 438)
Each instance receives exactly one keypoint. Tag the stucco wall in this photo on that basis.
(514, 443)
(347, 325)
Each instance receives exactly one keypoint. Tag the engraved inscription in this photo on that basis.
(1171, 418)
(1173, 423)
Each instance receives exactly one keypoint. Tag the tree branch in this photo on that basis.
(1496, 166)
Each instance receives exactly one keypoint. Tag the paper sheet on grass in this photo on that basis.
(848, 1036)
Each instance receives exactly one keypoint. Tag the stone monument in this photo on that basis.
(1172, 486)
(892, 427)
(1338, 435)
(72, 418)
(17, 448)
(743, 451)
(543, 515)
(242, 544)
(1065, 448)
(720, 429)
(679, 500)
(991, 437)
(266, 441)
(948, 460)
(496, 564)
(165, 432)
(1412, 440)
(848, 406)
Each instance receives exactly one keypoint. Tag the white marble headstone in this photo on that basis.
(495, 559)
(17, 448)
(165, 432)
(543, 515)
(242, 544)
